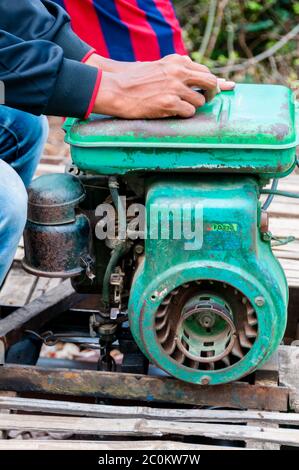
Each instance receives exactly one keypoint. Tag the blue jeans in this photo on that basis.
(22, 137)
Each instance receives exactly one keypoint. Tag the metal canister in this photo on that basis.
(56, 237)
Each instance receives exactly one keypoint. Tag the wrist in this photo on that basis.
(93, 99)
(108, 99)
(87, 58)
(107, 65)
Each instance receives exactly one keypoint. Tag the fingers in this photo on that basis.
(192, 97)
(204, 80)
(173, 105)
(185, 104)
(190, 64)
(184, 109)
(186, 61)
(226, 85)
(196, 67)
(193, 69)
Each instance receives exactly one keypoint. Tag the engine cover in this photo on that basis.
(212, 309)
(248, 130)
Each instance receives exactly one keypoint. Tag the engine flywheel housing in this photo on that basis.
(206, 325)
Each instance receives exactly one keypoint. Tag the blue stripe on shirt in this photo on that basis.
(115, 32)
(160, 26)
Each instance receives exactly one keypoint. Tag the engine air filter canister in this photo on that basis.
(52, 199)
(56, 238)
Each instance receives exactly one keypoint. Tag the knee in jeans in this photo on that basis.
(14, 208)
(39, 130)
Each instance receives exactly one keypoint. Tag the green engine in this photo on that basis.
(163, 219)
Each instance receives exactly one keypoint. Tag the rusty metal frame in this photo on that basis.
(132, 387)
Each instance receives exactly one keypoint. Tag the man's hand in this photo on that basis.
(156, 89)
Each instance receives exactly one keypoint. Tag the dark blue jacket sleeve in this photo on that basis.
(38, 63)
(42, 19)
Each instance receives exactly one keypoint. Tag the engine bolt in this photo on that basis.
(206, 319)
(259, 301)
(205, 380)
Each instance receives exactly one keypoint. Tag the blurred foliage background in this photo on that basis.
(252, 41)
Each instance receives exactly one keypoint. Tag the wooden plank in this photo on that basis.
(46, 168)
(293, 177)
(263, 445)
(140, 387)
(15, 444)
(288, 201)
(19, 255)
(290, 183)
(262, 379)
(43, 285)
(286, 210)
(288, 255)
(293, 246)
(5, 410)
(283, 227)
(292, 274)
(64, 408)
(17, 287)
(290, 264)
(292, 281)
(291, 249)
(143, 427)
(289, 373)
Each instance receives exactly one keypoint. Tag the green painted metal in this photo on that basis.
(249, 130)
(233, 252)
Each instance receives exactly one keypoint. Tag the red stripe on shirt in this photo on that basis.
(167, 10)
(83, 13)
(144, 40)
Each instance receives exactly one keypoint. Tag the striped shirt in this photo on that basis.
(127, 30)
